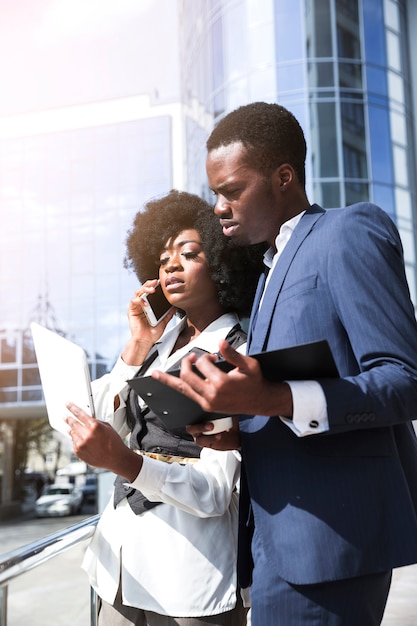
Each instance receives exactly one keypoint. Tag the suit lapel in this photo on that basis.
(258, 333)
(255, 306)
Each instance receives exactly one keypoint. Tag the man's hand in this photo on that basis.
(241, 391)
(99, 445)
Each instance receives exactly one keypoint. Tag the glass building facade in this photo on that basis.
(68, 197)
(344, 67)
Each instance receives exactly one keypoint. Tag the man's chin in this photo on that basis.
(240, 239)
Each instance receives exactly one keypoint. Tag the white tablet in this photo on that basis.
(64, 373)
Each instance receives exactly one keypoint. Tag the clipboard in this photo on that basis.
(64, 373)
(309, 361)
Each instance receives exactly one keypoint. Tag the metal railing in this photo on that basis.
(21, 560)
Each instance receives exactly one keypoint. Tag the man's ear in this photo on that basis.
(284, 175)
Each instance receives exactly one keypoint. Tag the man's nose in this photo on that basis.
(222, 206)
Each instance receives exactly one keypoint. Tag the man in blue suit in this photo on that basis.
(331, 464)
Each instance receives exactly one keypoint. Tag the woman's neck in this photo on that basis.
(195, 324)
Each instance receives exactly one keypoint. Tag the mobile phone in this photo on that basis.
(158, 306)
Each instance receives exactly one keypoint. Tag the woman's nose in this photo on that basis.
(172, 263)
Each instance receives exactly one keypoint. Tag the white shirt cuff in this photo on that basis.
(151, 477)
(122, 371)
(309, 408)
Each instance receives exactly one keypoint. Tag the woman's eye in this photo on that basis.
(164, 260)
(190, 255)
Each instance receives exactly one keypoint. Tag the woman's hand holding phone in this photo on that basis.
(143, 333)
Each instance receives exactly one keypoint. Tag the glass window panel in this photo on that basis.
(353, 121)
(411, 279)
(261, 42)
(321, 74)
(354, 162)
(262, 85)
(8, 350)
(374, 39)
(238, 93)
(380, 143)
(407, 240)
(28, 351)
(328, 161)
(396, 87)
(289, 36)
(398, 128)
(393, 51)
(322, 30)
(383, 196)
(107, 253)
(330, 195)
(236, 52)
(7, 396)
(400, 166)
(348, 44)
(82, 306)
(218, 65)
(356, 192)
(392, 17)
(348, 8)
(8, 378)
(260, 10)
(403, 204)
(82, 256)
(30, 376)
(32, 395)
(290, 77)
(350, 75)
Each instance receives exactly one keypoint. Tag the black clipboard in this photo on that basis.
(309, 361)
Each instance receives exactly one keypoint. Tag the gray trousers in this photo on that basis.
(121, 615)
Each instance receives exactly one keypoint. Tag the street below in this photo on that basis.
(57, 593)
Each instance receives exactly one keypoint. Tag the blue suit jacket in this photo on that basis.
(344, 503)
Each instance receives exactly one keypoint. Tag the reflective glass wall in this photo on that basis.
(342, 67)
(67, 200)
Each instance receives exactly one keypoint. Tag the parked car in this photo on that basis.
(89, 489)
(59, 500)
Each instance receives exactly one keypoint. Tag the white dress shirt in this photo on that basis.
(178, 558)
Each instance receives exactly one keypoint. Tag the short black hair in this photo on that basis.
(270, 133)
(234, 269)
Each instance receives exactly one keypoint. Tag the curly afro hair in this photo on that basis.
(234, 270)
(269, 132)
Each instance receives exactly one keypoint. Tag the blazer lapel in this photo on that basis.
(258, 332)
(255, 306)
